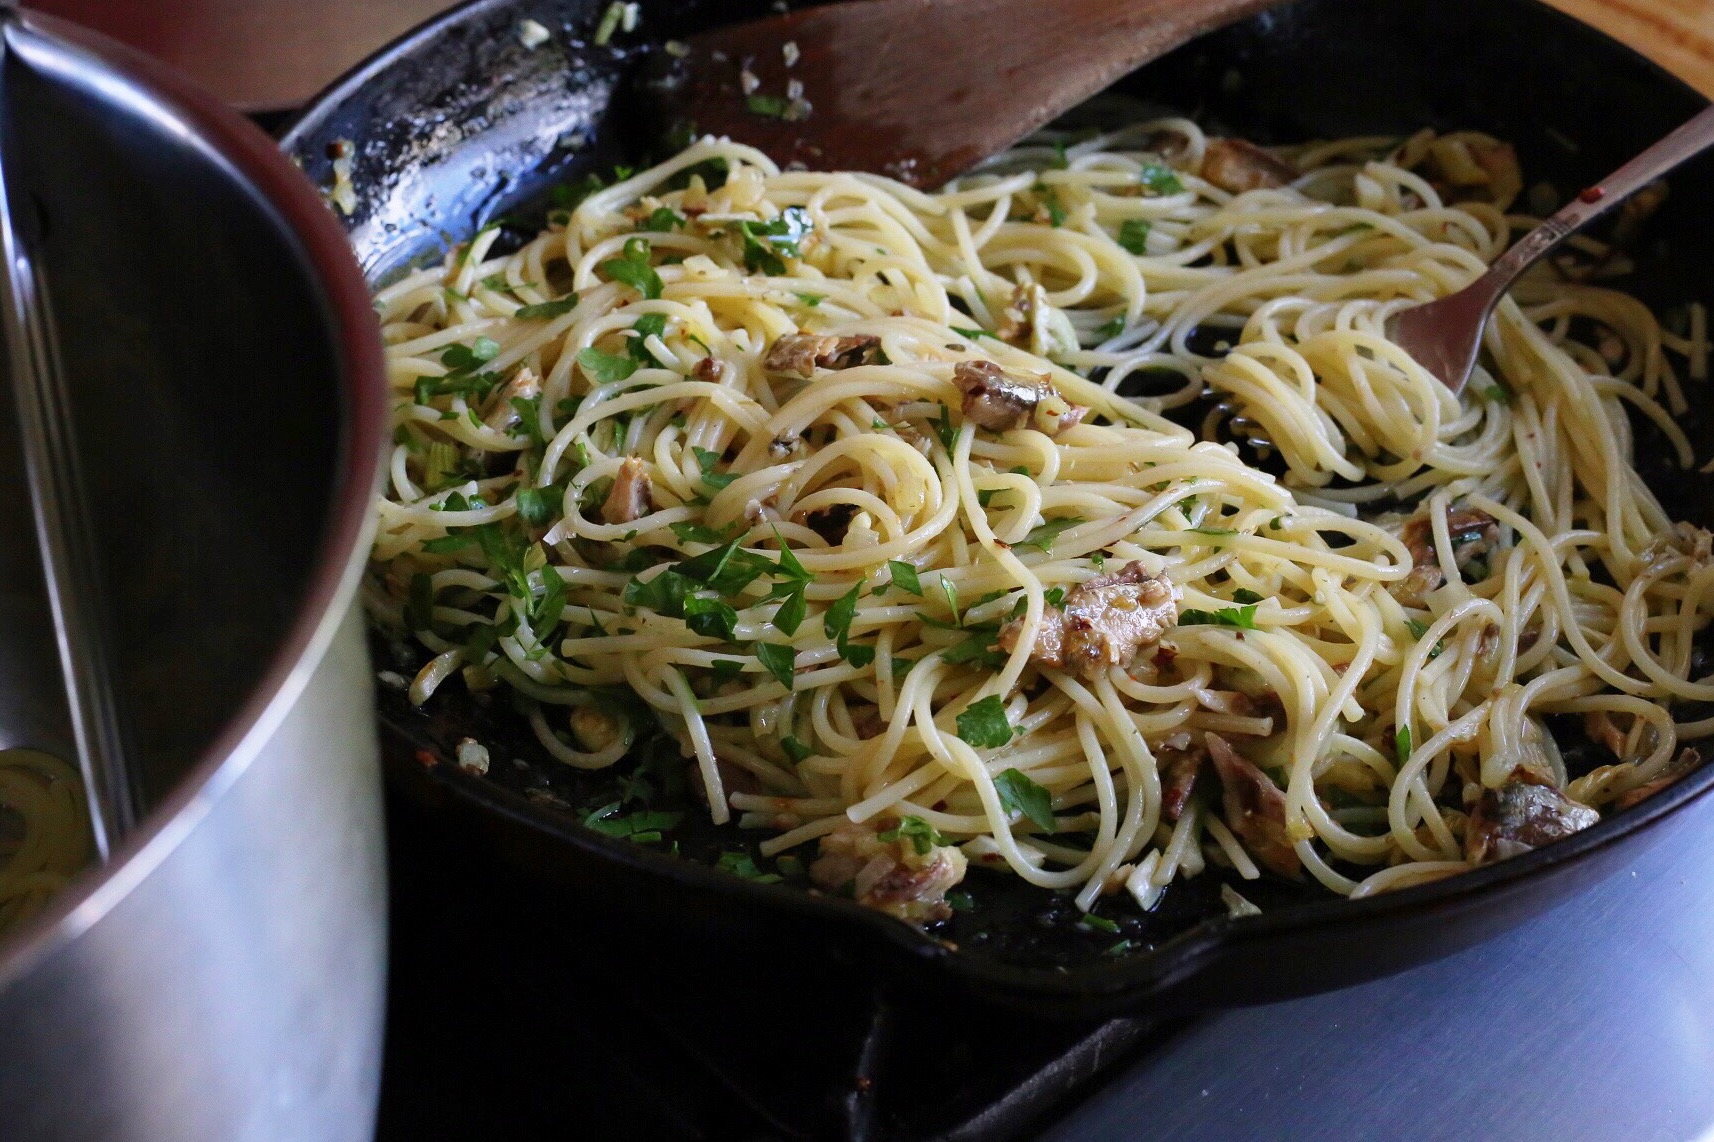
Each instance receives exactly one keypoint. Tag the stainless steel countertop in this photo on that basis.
(1594, 1023)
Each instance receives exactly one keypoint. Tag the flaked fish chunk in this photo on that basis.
(1104, 622)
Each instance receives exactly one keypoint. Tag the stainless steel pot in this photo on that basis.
(221, 976)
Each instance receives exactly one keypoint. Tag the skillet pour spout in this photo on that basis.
(461, 123)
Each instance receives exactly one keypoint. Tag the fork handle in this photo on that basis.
(1690, 139)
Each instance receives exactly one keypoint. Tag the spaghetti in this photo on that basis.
(837, 478)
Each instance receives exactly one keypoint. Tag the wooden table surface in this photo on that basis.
(263, 54)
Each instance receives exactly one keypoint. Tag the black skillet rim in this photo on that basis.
(1142, 975)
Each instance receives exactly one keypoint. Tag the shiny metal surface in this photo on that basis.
(222, 977)
(1446, 334)
(1594, 1023)
(227, 982)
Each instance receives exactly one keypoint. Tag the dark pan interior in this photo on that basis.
(460, 124)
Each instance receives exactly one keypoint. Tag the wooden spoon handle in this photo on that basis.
(922, 89)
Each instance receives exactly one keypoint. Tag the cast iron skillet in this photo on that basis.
(458, 124)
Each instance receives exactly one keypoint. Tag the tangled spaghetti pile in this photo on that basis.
(814, 465)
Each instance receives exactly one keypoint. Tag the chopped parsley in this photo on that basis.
(904, 577)
(605, 368)
(921, 835)
(1093, 923)
(1402, 744)
(778, 659)
(837, 625)
(706, 460)
(701, 533)
(1245, 595)
(772, 106)
(644, 826)
(546, 309)
(632, 267)
(1051, 203)
(533, 506)
(983, 724)
(711, 618)
(973, 334)
(811, 299)
(1157, 178)
(647, 326)
(1042, 538)
(1020, 796)
(744, 865)
(794, 749)
(1417, 629)
(663, 219)
(767, 244)
(1242, 618)
(1134, 235)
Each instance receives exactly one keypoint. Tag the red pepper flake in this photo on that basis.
(1593, 195)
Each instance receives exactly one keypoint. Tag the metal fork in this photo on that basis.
(1444, 335)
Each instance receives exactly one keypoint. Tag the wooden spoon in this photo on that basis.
(920, 90)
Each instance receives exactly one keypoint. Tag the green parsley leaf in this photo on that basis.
(605, 368)
(646, 326)
(465, 358)
(767, 243)
(1134, 235)
(811, 299)
(727, 570)
(946, 430)
(1093, 923)
(978, 648)
(1054, 596)
(1417, 629)
(634, 270)
(663, 219)
(706, 460)
(983, 724)
(772, 106)
(701, 533)
(546, 309)
(711, 618)
(1160, 179)
(1402, 744)
(973, 334)
(837, 621)
(1498, 393)
(917, 831)
(644, 826)
(744, 865)
(1111, 329)
(1050, 202)
(780, 660)
(530, 416)
(950, 590)
(1022, 797)
(905, 576)
(534, 507)
(665, 593)
(1041, 538)
(791, 613)
(794, 749)
(1243, 618)
(1245, 595)
(1212, 530)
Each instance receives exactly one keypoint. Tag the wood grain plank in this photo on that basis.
(1677, 34)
